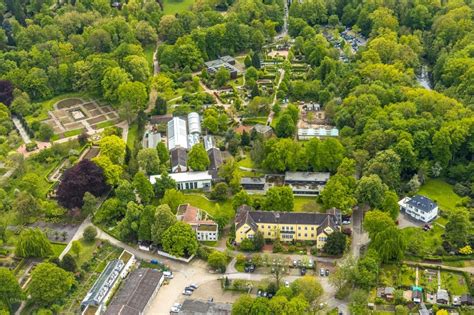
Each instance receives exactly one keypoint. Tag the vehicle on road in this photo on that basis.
(326, 272)
(168, 275)
(189, 289)
(310, 264)
(187, 292)
(194, 286)
(154, 262)
(303, 271)
(287, 283)
(322, 272)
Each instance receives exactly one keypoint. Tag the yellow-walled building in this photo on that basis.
(289, 226)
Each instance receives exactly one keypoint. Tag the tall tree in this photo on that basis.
(33, 243)
(82, 177)
(371, 191)
(198, 159)
(389, 244)
(49, 284)
(164, 218)
(149, 161)
(143, 187)
(458, 228)
(180, 240)
(114, 148)
(279, 199)
(133, 97)
(376, 221)
(10, 291)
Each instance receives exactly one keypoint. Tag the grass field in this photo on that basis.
(149, 51)
(200, 201)
(45, 106)
(58, 248)
(176, 6)
(132, 134)
(441, 192)
(246, 162)
(306, 204)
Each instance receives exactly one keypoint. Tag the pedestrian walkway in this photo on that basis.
(21, 130)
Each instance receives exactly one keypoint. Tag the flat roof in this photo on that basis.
(196, 307)
(185, 177)
(134, 295)
(307, 176)
(252, 180)
(322, 132)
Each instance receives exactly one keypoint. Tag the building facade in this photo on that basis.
(288, 226)
(188, 180)
(419, 207)
(201, 222)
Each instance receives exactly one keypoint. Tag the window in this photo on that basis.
(299, 227)
(268, 226)
(312, 228)
(306, 228)
(269, 233)
(305, 235)
(299, 234)
(312, 235)
(291, 228)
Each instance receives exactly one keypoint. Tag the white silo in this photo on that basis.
(194, 123)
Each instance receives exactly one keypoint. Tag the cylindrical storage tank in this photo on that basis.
(194, 123)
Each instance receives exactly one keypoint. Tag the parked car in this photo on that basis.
(187, 292)
(322, 272)
(176, 308)
(326, 272)
(154, 262)
(295, 263)
(299, 263)
(189, 289)
(310, 264)
(303, 271)
(426, 227)
(168, 275)
(287, 283)
(194, 286)
(252, 268)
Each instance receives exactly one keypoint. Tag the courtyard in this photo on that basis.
(72, 116)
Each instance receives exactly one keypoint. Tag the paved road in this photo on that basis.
(359, 236)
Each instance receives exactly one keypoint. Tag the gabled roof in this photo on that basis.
(179, 157)
(253, 218)
(422, 203)
(215, 158)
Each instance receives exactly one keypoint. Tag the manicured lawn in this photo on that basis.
(431, 239)
(246, 162)
(149, 51)
(132, 134)
(306, 204)
(86, 252)
(58, 248)
(176, 6)
(45, 106)
(441, 192)
(72, 133)
(199, 201)
(105, 124)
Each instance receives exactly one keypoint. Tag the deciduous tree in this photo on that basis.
(180, 240)
(49, 284)
(33, 243)
(198, 159)
(164, 219)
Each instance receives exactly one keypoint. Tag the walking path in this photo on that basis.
(469, 269)
(21, 130)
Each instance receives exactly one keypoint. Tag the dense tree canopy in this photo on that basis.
(49, 284)
(82, 177)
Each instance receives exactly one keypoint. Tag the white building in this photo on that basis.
(194, 123)
(201, 222)
(309, 133)
(209, 142)
(188, 180)
(177, 134)
(419, 207)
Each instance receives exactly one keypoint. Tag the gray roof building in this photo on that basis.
(134, 296)
(196, 307)
(422, 203)
(215, 158)
(313, 177)
(179, 160)
(103, 284)
(323, 220)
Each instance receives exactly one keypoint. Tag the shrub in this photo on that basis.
(89, 234)
(461, 190)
